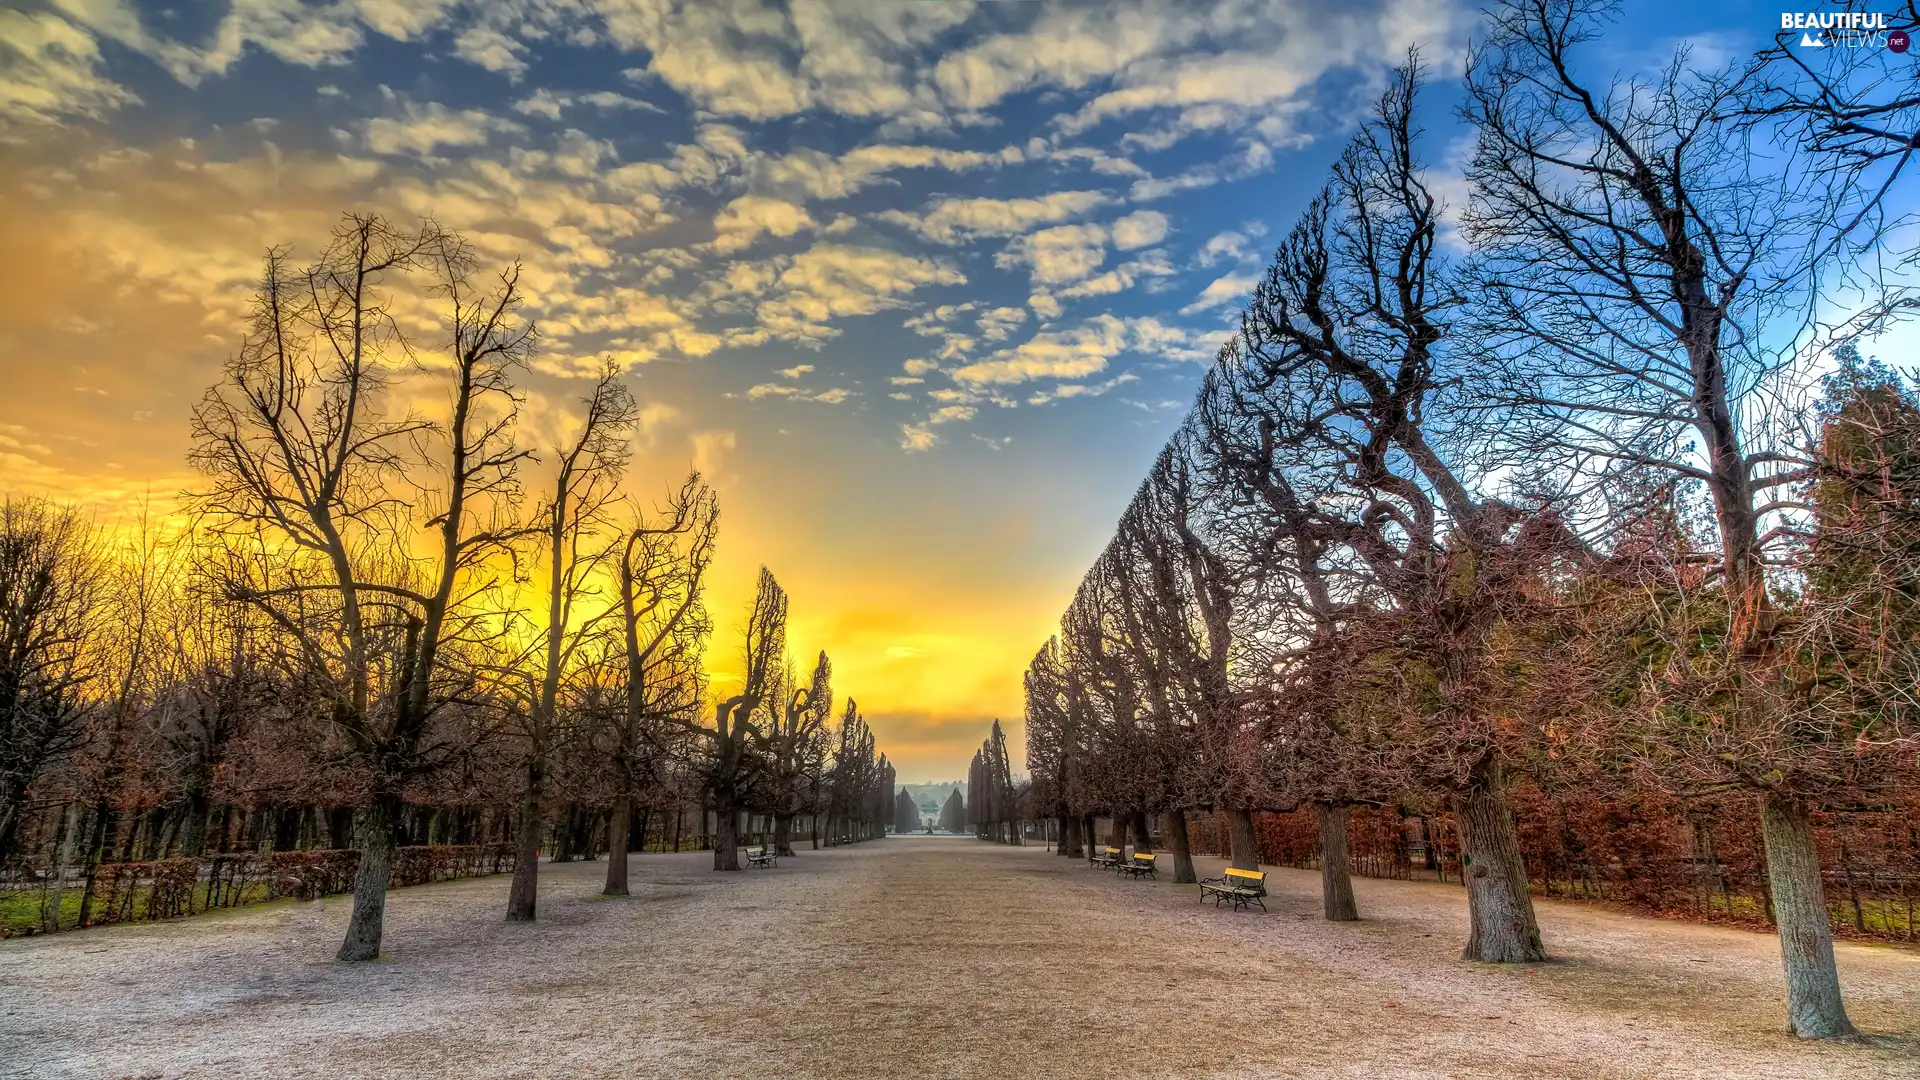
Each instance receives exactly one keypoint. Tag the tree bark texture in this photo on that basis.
(1814, 1007)
(523, 897)
(1182, 848)
(1142, 832)
(1243, 856)
(1499, 907)
(726, 838)
(783, 834)
(618, 841)
(1336, 877)
(366, 924)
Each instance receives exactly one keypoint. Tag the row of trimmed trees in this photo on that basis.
(906, 813)
(394, 616)
(953, 814)
(994, 809)
(1538, 486)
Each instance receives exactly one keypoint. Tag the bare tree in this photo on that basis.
(733, 764)
(1056, 751)
(52, 589)
(795, 730)
(1265, 481)
(1353, 318)
(307, 465)
(664, 626)
(572, 529)
(1645, 275)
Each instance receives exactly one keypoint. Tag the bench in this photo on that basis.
(1242, 887)
(1106, 858)
(763, 857)
(1141, 866)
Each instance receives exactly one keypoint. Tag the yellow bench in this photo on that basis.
(1242, 887)
(1142, 864)
(1106, 858)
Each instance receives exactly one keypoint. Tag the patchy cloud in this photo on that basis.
(53, 71)
(1072, 353)
(1225, 289)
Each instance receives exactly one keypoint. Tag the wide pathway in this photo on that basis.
(921, 959)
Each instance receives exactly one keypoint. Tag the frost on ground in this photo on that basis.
(921, 957)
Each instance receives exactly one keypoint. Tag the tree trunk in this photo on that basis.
(13, 811)
(1814, 1008)
(1240, 837)
(72, 819)
(783, 834)
(365, 925)
(1182, 848)
(523, 897)
(339, 831)
(1336, 879)
(726, 837)
(1066, 837)
(103, 816)
(1087, 834)
(1142, 832)
(1499, 907)
(617, 844)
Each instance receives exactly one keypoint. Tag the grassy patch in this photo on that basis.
(20, 910)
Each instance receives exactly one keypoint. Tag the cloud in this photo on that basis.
(830, 281)
(1068, 253)
(54, 72)
(1076, 352)
(1151, 264)
(921, 436)
(1067, 47)
(1450, 189)
(795, 371)
(954, 220)
(551, 104)
(995, 325)
(1228, 246)
(762, 63)
(1226, 289)
(832, 396)
(1139, 229)
(1074, 390)
(710, 452)
(819, 175)
(300, 34)
(746, 218)
(491, 48)
(422, 129)
(1060, 254)
(1091, 157)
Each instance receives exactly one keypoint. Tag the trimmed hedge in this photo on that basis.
(170, 888)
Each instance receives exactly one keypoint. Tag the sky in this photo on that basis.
(920, 286)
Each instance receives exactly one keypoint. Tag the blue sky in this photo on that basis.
(921, 285)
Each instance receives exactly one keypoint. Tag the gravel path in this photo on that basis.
(920, 959)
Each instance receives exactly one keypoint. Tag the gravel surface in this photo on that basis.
(918, 959)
